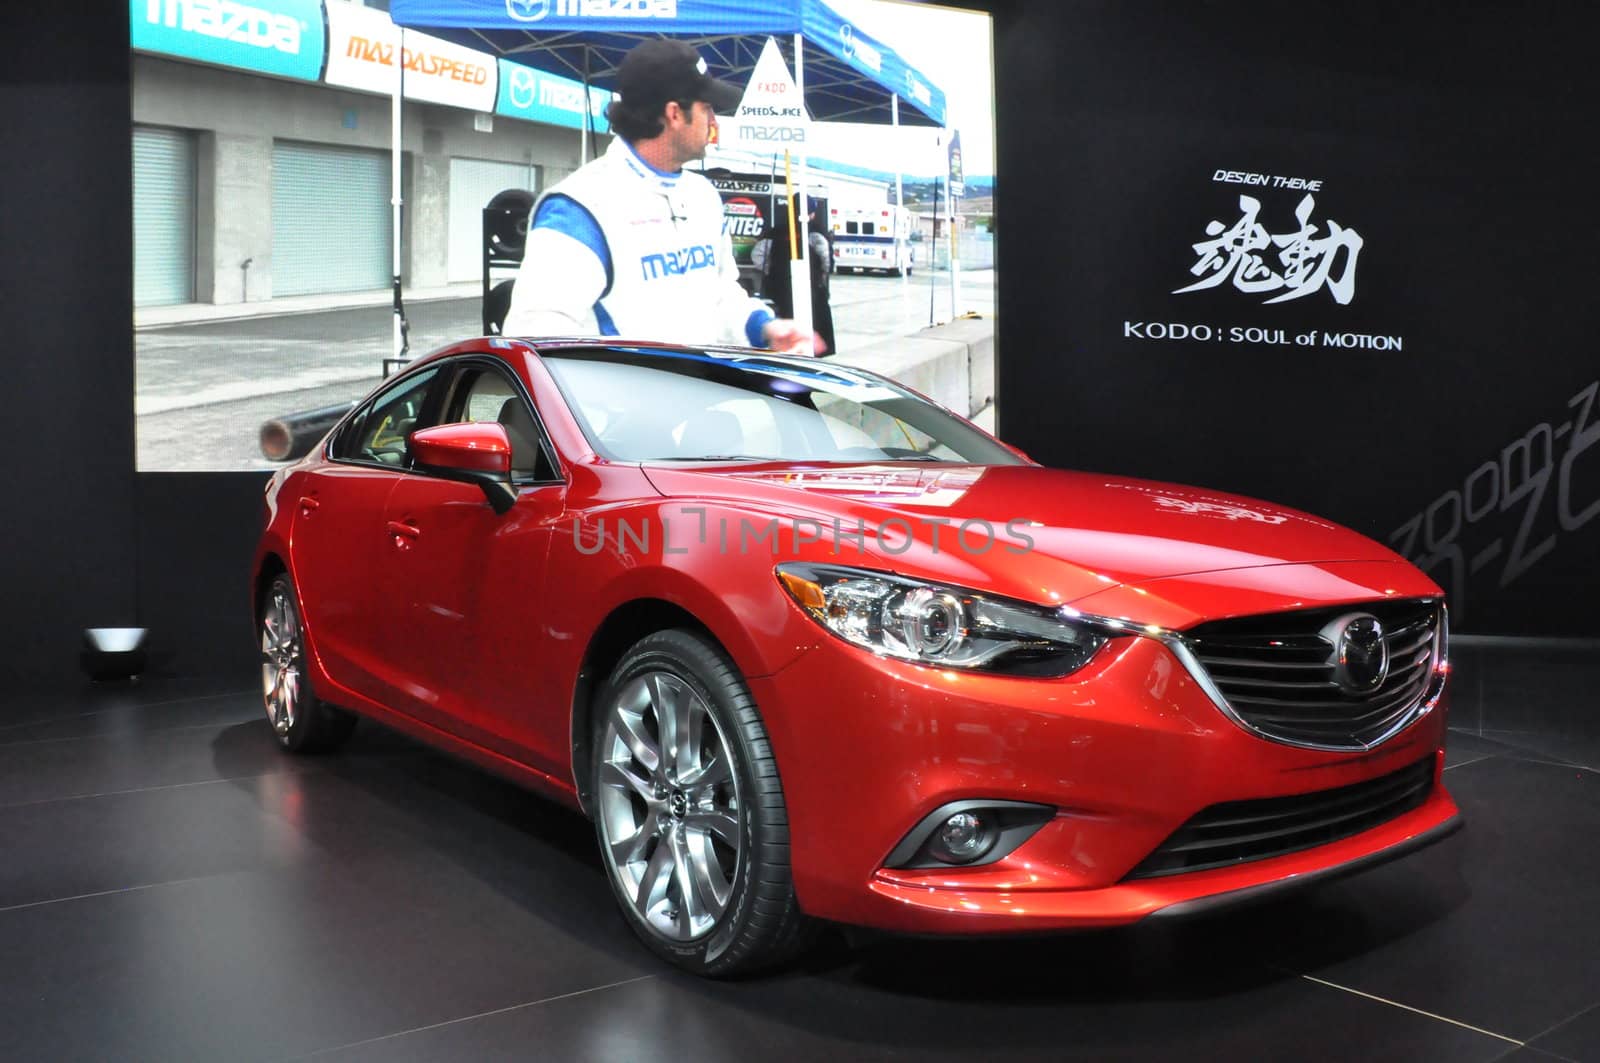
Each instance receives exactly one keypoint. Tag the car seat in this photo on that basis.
(524, 437)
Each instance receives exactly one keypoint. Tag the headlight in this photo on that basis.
(944, 626)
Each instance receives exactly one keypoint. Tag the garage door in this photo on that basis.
(473, 182)
(163, 217)
(331, 220)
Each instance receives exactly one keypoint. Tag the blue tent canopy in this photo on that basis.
(849, 76)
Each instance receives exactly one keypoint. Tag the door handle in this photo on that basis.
(403, 534)
(308, 505)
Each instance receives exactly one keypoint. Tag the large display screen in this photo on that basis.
(266, 181)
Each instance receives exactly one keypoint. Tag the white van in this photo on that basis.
(876, 238)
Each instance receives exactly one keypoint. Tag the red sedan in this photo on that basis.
(806, 646)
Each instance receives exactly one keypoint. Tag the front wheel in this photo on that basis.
(689, 810)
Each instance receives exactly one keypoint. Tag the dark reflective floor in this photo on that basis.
(173, 888)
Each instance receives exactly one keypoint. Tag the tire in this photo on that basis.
(697, 857)
(508, 232)
(301, 722)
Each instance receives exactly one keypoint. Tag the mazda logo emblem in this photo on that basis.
(522, 86)
(527, 10)
(1360, 653)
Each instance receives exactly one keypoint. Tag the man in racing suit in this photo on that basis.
(632, 244)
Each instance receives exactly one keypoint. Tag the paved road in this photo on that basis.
(203, 390)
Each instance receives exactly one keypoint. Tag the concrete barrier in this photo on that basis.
(952, 364)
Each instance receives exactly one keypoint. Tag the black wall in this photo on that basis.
(67, 476)
(1456, 139)
(88, 542)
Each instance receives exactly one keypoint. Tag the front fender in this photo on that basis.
(677, 552)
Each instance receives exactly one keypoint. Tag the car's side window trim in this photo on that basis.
(441, 390)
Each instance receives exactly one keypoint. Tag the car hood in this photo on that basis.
(1032, 532)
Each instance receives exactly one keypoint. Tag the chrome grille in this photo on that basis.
(1277, 672)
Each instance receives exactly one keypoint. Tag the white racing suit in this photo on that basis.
(622, 249)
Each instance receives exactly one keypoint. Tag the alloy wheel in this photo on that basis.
(281, 678)
(669, 806)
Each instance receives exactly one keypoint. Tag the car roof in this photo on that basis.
(643, 348)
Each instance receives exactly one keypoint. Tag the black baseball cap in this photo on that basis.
(660, 70)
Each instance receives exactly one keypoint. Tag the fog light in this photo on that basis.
(969, 833)
(963, 838)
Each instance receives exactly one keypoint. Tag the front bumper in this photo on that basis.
(1126, 750)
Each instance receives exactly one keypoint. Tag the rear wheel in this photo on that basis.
(689, 810)
(301, 721)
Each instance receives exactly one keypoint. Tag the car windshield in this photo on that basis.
(653, 405)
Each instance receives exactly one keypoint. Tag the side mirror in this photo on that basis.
(476, 453)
